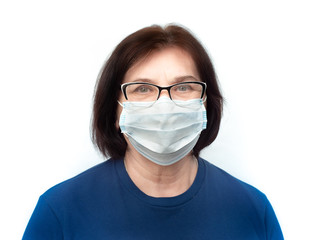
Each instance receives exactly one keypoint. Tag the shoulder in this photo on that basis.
(241, 201)
(226, 185)
(89, 182)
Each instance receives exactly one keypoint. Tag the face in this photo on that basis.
(163, 68)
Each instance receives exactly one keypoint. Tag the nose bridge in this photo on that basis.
(166, 92)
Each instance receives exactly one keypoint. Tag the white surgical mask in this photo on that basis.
(166, 131)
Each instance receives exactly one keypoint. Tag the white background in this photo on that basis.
(266, 54)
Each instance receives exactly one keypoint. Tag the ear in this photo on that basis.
(116, 124)
(119, 110)
(118, 113)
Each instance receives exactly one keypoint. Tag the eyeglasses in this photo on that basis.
(148, 92)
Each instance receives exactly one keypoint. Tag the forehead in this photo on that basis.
(163, 67)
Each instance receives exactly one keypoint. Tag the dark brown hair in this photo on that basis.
(105, 135)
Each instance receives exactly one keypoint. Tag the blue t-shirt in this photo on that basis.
(104, 203)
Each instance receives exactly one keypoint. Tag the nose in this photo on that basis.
(164, 92)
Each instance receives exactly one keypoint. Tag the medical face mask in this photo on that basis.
(165, 131)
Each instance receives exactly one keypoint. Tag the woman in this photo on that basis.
(157, 105)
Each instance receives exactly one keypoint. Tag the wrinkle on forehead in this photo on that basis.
(166, 66)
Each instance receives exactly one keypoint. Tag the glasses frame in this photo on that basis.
(168, 88)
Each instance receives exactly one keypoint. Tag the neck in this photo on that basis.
(161, 181)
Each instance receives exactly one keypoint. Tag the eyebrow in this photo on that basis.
(147, 80)
(176, 79)
(185, 78)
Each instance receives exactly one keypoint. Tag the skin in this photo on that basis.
(163, 68)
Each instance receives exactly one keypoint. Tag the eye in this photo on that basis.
(183, 88)
(143, 89)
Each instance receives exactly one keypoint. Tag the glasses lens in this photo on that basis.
(186, 91)
(145, 92)
(141, 92)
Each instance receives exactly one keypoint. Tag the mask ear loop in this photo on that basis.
(204, 100)
(120, 103)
